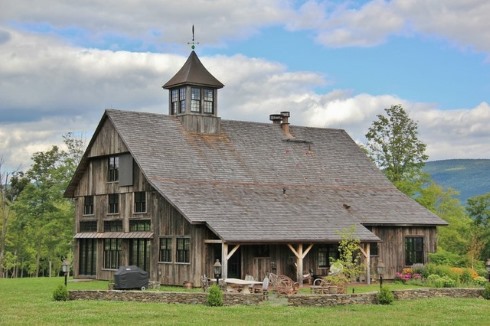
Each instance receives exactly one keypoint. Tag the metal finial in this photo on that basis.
(193, 43)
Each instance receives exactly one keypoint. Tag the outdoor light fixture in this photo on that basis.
(381, 270)
(65, 267)
(488, 268)
(217, 270)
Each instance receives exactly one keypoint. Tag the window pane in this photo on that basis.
(140, 202)
(195, 93)
(165, 249)
(113, 171)
(208, 94)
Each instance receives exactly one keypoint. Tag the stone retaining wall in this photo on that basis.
(370, 298)
(164, 297)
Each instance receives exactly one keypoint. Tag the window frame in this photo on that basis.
(113, 226)
(207, 101)
(165, 254)
(138, 204)
(88, 226)
(414, 251)
(182, 250)
(113, 203)
(113, 168)
(195, 99)
(139, 225)
(112, 253)
(88, 208)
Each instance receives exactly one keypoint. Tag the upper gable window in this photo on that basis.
(88, 205)
(113, 201)
(113, 171)
(140, 202)
(208, 101)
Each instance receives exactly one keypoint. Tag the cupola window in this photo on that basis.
(208, 99)
(195, 99)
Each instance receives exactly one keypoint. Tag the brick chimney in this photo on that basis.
(283, 120)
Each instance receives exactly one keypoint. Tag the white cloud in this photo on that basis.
(48, 88)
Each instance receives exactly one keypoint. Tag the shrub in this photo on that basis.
(466, 277)
(480, 280)
(448, 282)
(60, 293)
(385, 296)
(215, 296)
(418, 269)
(486, 291)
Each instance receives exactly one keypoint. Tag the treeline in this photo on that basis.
(37, 223)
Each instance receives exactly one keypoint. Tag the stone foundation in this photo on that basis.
(164, 297)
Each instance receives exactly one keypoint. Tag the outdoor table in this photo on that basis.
(245, 284)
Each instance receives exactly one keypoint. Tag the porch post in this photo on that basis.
(368, 263)
(224, 263)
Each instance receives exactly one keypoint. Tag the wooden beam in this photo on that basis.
(235, 248)
(307, 250)
(294, 250)
(213, 241)
(300, 255)
(224, 263)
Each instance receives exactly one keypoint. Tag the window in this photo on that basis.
(86, 256)
(139, 225)
(140, 202)
(326, 254)
(183, 245)
(113, 226)
(175, 101)
(112, 252)
(165, 250)
(139, 253)
(113, 171)
(182, 99)
(113, 200)
(207, 105)
(88, 226)
(414, 250)
(88, 205)
(374, 249)
(195, 99)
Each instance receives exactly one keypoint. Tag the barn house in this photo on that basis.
(174, 193)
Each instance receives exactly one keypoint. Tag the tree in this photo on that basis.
(478, 209)
(394, 146)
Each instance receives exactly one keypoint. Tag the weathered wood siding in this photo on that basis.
(392, 249)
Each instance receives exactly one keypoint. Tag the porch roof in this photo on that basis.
(114, 235)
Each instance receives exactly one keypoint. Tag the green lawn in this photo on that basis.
(29, 302)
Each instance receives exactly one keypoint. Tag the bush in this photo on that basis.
(486, 291)
(60, 293)
(480, 280)
(448, 282)
(215, 296)
(385, 296)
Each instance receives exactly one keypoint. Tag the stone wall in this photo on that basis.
(370, 298)
(164, 297)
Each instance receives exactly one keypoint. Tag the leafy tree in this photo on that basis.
(394, 146)
(43, 215)
(349, 254)
(478, 209)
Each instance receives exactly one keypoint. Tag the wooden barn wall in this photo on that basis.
(107, 142)
(392, 249)
(172, 224)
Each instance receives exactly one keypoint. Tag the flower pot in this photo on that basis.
(188, 285)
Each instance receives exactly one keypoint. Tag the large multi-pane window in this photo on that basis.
(140, 202)
(414, 250)
(195, 99)
(113, 226)
(208, 100)
(182, 99)
(139, 253)
(113, 200)
(88, 205)
(183, 250)
(88, 226)
(113, 171)
(86, 256)
(165, 250)
(139, 225)
(112, 253)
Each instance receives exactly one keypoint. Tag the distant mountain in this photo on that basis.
(469, 177)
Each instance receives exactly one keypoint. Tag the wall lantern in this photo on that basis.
(65, 268)
(380, 270)
(488, 268)
(217, 270)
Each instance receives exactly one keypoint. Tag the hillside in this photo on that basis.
(469, 177)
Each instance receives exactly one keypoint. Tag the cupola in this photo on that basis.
(193, 97)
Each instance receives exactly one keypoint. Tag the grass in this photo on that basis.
(29, 302)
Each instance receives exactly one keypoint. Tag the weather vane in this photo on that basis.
(193, 43)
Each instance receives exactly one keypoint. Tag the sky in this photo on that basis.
(332, 64)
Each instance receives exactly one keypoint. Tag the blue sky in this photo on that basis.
(333, 64)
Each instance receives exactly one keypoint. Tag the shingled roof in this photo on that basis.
(252, 184)
(193, 72)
